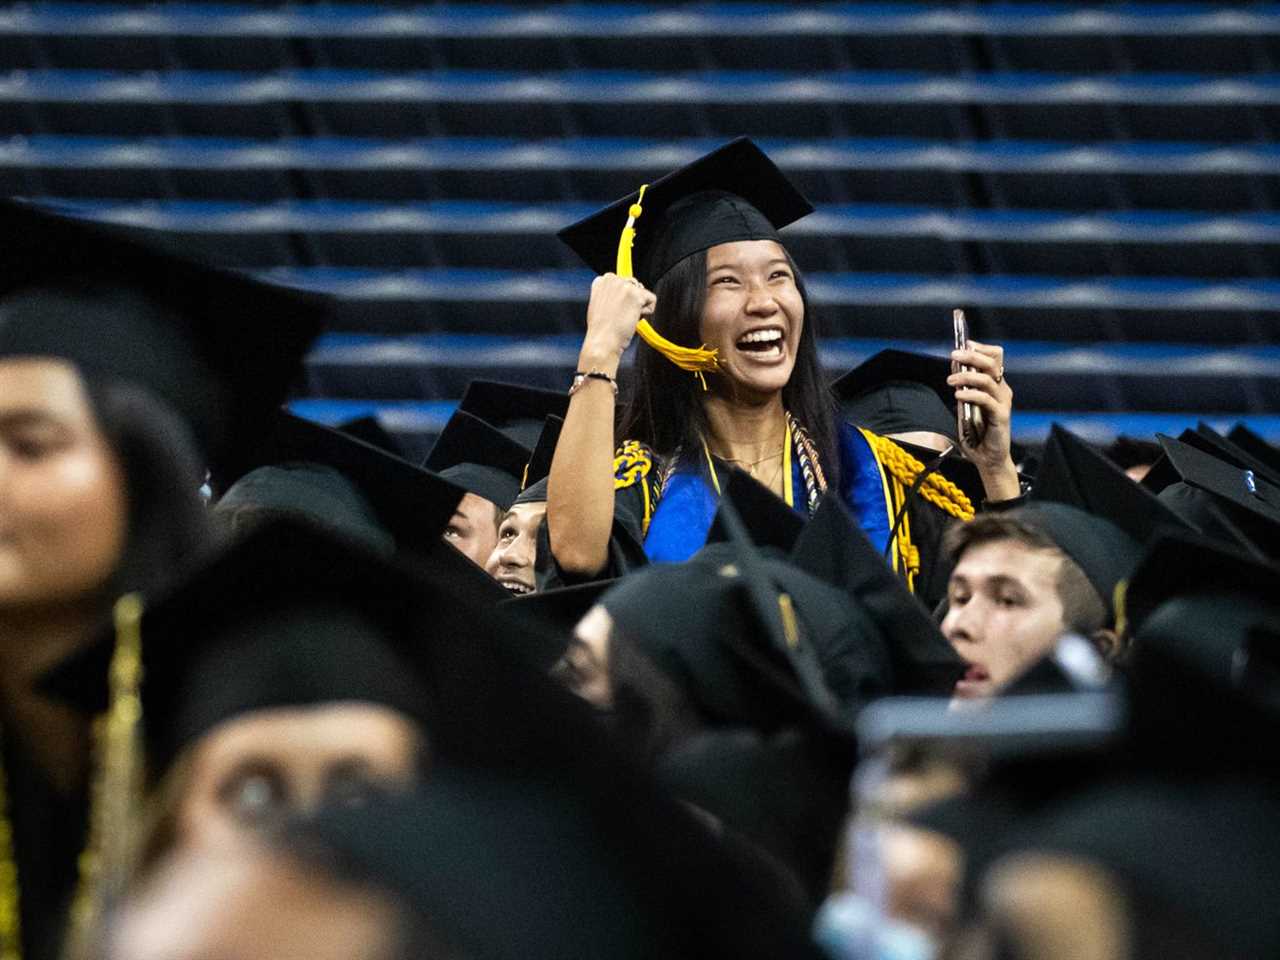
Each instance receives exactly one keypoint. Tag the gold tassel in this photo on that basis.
(697, 360)
(107, 861)
(790, 629)
(10, 898)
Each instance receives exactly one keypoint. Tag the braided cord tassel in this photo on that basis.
(108, 857)
(815, 481)
(936, 489)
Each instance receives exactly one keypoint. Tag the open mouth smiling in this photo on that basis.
(765, 343)
(517, 587)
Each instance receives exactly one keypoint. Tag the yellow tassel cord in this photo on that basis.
(697, 360)
(10, 918)
(108, 858)
(1120, 600)
(790, 628)
(900, 470)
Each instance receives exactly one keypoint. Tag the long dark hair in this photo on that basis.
(665, 410)
(167, 522)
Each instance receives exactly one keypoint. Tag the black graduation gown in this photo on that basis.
(49, 829)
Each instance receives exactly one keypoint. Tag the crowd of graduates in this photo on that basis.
(701, 656)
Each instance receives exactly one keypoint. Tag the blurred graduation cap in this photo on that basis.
(479, 458)
(289, 615)
(1124, 514)
(219, 346)
(501, 867)
(1205, 438)
(1205, 667)
(899, 392)
(556, 612)
(517, 410)
(833, 548)
(733, 193)
(1249, 502)
(1127, 452)
(544, 451)
(538, 470)
(716, 625)
(361, 488)
(1074, 473)
(371, 431)
(826, 626)
(1254, 444)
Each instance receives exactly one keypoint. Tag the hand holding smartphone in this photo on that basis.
(968, 416)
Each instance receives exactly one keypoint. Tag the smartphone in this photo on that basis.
(968, 415)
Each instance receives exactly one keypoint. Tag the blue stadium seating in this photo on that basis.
(1098, 183)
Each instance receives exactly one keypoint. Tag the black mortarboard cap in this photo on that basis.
(555, 613)
(517, 410)
(833, 548)
(411, 504)
(539, 465)
(1254, 444)
(479, 458)
(219, 346)
(1072, 472)
(899, 392)
(370, 430)
(309, 491)
(1204, 672)
(1124, 514)
(715, 625)
(1249, 501)
(1104, 553)
(500, 868)
(733, 193)
(594, 864)
(1205, 438)
(288, 615)
(1184, 564)
(1127, 452)
(534, 493)
(768, 521)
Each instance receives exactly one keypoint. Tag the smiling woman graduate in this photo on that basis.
(733, 378)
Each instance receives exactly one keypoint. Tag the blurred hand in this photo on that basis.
(985, 387)
(616, 306)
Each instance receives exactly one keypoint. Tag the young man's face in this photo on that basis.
(512, 561)
(1004, 612)
(474, 528)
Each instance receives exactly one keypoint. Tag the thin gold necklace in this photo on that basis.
(753, 463)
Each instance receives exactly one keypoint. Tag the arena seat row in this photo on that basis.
(1099, 184)
(395, 20)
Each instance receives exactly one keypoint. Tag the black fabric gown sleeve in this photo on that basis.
(635, 495)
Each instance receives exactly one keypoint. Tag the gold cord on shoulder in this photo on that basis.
(905, 468)
(697, 360)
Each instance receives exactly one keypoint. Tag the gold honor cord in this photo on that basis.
(10, 917)
(698, 360)
(107, 859)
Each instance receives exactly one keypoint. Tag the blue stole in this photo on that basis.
(679, 527)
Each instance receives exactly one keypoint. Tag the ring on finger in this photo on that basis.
(1000, 376)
